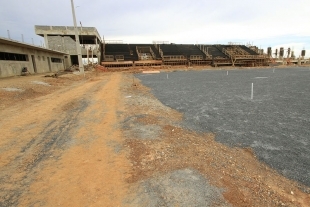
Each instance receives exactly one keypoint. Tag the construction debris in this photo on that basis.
(101, 68)
(54, 75)
(72, 68)
(25, 71)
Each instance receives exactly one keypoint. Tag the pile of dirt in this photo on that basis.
(72, 68)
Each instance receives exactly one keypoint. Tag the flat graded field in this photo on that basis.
(106, 140)
(275, 123)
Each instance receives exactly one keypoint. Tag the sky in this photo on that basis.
(264, 23)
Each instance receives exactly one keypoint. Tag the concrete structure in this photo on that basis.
(62, 38)
(14, 56)
(128, 55)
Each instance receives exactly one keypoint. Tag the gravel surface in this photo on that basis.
(132, 127)
(276, 123)
(181, 188)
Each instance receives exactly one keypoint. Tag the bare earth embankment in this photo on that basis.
(106, 141)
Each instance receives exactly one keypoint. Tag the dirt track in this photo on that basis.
(102, 141)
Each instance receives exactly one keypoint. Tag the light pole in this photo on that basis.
(77, 39)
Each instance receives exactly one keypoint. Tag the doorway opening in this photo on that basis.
(74, 60)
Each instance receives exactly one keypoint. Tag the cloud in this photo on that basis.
(267, 23)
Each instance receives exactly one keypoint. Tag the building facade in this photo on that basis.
(14, 56)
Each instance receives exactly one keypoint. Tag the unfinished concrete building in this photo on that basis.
(62, 38)
(15, 56)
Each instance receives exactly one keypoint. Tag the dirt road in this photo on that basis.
(106, 141)
(55, 150)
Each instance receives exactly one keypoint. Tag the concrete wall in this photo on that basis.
(65, 44)
(65, 30)
(42, 61)
(12, 68)
(67, 61)
(68, 45)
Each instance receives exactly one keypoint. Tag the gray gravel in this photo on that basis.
(134, 129)
(181, 188)
(276, 123)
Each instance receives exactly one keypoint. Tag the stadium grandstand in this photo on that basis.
(163, 53)
(115, 53)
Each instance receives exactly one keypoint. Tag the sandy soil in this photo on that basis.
(95, 141)
(55, 148)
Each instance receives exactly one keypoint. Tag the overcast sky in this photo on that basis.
(261, 22)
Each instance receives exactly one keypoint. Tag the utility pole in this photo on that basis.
(77, 39)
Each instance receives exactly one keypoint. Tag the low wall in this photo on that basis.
(12, 68)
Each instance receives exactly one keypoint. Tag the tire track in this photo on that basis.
(50, 143)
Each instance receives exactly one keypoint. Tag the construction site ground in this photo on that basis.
(105, 140)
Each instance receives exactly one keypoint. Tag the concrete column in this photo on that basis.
(99, 57)
(63, 44)
(92, 55)
(97, 49)
(46, 41)
(77, 40)
(87, 50)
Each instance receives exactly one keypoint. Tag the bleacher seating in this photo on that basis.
(181, 54)
(170, 49)
(128, 50)
(188, 50)
(248, 50)
(216, 51)
(121, 49)
(134, 46)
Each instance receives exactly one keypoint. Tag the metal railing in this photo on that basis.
(196, 57)
(174, 57)
(119, 57)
